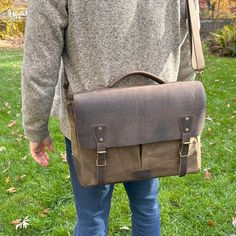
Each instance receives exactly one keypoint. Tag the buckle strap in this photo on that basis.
(186, 126)
(100, 132)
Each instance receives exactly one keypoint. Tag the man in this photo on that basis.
(99, 41)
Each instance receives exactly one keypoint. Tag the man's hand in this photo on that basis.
(38, 150)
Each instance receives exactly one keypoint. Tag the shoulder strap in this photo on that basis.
(198, 62)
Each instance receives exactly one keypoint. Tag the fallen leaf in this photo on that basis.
(44, 213)
(7, 179)
(23, 224)
(18, 140)
(209, 130)
(11, 190)
(209, 118)
(11, 124)
(7, 105)
(212, 143)
(63, 157)
(228, 105)
(16, 222)
(125, 228)
(207, 174)
(234, 221)
(211, 223)
(2, 149)
(24, 158)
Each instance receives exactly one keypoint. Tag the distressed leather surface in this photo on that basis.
(139, 115)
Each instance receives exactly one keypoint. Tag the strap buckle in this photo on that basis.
(183, 156)
(101, 161)
(181, 150)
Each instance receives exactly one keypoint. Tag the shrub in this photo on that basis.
(11, 28)
(223, 42)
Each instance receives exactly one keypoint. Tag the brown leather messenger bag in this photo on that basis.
(140, 132)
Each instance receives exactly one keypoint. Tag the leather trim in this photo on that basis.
(139, 115)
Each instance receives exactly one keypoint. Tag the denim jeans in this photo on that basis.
(93, 205)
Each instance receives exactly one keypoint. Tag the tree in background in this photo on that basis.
(218, 8)
(12, 18)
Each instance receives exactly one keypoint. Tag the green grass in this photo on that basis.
(192, 205)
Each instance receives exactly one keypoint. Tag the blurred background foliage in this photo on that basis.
(12, 18)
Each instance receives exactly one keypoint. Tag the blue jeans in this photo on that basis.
(93, 205)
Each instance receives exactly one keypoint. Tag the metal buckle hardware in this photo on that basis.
(183, 156)
(101, 165)
(101, 152)
(186, 142)
(105, 162)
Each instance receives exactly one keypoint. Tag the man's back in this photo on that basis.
(99, 41)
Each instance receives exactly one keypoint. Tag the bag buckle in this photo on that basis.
(101, 159)
(181, 150)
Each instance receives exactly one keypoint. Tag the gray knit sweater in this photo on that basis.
(99, 41)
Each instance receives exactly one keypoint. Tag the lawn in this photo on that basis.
(200, 204)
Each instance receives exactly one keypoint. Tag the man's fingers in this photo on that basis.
(41, 158)
(51, 147)
(38, 151)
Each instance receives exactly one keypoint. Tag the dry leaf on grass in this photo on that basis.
(23, 224)
(234, 221)
(11, 190)
(209, 131)
(211, 223)
(207, 174)
(11, 124)
(7, 105)
(16, 222)
(125, 228)
(44, 213)
(7, 179)
(2, 149)
(63, 157)
(209, 118)
(24, 158)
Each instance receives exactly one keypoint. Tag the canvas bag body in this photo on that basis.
(151, 147)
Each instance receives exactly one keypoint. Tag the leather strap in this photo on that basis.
(198, 62)
(186, 125)
(100, 133)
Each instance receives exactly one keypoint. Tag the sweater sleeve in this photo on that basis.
(44, 42)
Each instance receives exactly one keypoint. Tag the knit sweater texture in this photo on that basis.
(91, 43)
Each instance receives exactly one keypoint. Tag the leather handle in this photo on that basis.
(143, 73)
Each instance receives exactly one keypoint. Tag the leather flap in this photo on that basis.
(139, 115)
